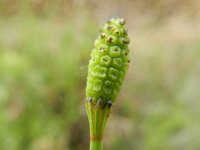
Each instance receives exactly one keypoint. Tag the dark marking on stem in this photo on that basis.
(125, 32)
(90, 99)
(122, 22)
(109, 27)
(95, 137)
(117, 32)
(109, 103)
(126, 41)
(102, 48)
(104, 59)
(116, 49)
(110, 40)
(99, 102)
(104, 105)
(102, 36)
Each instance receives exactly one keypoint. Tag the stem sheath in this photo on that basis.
(96, 145)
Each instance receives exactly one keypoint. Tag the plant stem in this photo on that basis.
(96, 145)
(98, 112)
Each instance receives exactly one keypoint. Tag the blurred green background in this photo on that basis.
(45, 46)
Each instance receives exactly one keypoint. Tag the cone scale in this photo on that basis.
(107, 68)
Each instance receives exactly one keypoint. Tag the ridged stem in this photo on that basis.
(98, 113)
(96, 145)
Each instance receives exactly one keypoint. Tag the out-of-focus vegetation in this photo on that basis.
(44, 52)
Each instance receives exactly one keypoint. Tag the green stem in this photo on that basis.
(98, 113)
(96, 145)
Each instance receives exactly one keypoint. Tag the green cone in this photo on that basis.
(109, 61)
(107, 68)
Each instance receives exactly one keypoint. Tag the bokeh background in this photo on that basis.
(45, 46)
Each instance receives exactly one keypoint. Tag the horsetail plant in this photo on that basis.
(107, 68)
